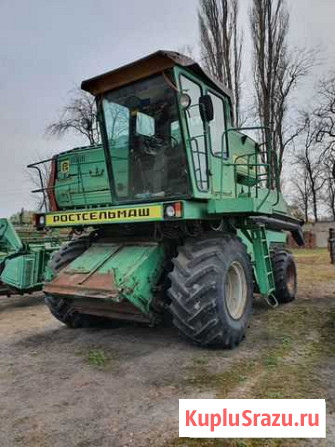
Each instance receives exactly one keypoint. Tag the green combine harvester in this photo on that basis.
(22, 262)
(177, 211)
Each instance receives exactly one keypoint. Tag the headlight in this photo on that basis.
(169, 211)
(185, 100)
(173, 210)
(39, 221)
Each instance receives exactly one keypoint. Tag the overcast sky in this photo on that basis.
(47, 47)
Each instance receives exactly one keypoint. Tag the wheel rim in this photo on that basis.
(236, 290)
(291, 279)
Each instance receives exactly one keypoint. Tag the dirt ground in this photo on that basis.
(120, 387)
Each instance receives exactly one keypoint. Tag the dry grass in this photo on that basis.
(314, 268)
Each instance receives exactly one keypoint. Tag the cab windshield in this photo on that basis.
(145, 142)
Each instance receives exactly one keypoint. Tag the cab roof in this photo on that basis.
(142, 68)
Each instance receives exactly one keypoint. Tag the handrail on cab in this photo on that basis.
(268, 131)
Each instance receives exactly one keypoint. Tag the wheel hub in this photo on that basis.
(236, 290)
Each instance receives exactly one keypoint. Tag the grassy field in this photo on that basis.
(296, 358)
(314, 269)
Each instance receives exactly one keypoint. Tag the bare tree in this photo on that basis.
(277, 73)
(302, 192)
(328, 195)
(324, 118)
(325, 114)
(79, 116)
(221, 45)
(295, 66)
(308, 164)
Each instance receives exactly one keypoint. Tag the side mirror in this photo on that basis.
(206, 108)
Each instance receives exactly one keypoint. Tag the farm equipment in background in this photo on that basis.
(184, 210)
(22, 262)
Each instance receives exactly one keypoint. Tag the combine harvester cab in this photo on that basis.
(176, 211)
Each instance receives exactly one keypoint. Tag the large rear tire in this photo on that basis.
(285, 275)
(211, 290)
(61, 308)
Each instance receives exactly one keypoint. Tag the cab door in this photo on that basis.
(197, 140)
(221, 169)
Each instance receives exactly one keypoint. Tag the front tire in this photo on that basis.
(211, 290)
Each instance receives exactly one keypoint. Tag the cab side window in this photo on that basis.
(217, 125)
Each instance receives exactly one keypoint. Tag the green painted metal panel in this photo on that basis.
(9, 239)
(194, 209)
(267, 202)
(134, 268)
(242, 205)
(23, 264)
(92, 258)
(19, 272)
(82, 178)
(276, 237)
(23, 272)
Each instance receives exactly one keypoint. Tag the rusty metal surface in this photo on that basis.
(123, 310)
(151, 64)
(85, 289)
(97, 285)
(109, 279)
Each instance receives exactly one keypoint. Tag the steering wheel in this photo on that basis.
(158, 142)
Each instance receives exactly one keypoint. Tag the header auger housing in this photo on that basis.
(23, 262)
(178, 210)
